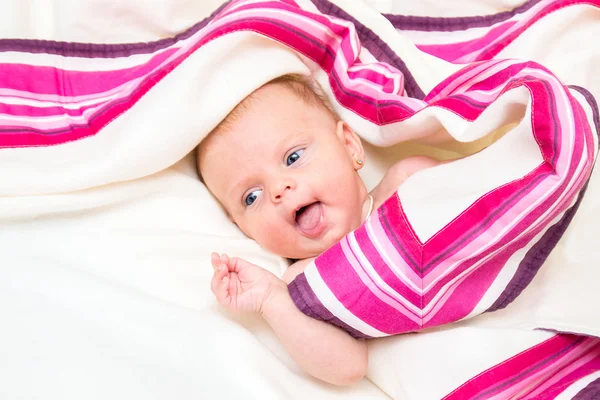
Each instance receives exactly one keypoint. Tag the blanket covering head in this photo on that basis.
(453, 242)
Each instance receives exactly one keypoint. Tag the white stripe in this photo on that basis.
(17, 97)
(82, 64)
(47, 119)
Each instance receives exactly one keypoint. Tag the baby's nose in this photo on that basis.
(280, 189)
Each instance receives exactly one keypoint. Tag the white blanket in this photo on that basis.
(104, 275)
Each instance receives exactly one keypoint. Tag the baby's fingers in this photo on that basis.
(218, 276)
(224, 259)
(215, 260)
(220, 285)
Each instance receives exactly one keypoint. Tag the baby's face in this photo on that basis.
(286, 173)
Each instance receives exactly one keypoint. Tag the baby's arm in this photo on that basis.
(321, 349)
(399, 173)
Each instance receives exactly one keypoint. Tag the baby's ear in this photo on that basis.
(352, 142)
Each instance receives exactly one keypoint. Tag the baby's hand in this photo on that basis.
(242, 286)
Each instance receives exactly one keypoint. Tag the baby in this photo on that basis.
(285, 168)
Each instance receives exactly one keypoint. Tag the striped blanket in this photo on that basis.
(452, 244)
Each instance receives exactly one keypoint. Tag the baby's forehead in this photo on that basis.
(258, 123)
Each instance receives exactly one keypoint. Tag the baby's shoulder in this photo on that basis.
(400, 172)
(296, 269)
(410, 165)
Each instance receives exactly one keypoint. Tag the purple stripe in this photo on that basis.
(307, 302)
(590, 392)
(377, 47)
(537, 255)
(93, 50)
(441, 24)
(589, 97)
(535, 258)
(398, 241)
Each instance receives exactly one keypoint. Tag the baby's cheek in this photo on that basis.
(273, 235)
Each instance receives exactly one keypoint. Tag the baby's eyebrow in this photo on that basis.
(236, 187)
(284, 144)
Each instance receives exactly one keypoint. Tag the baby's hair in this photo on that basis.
(307, 89)
(303, 86)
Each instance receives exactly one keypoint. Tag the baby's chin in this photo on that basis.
(317, 248)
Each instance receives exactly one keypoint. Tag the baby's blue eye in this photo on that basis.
(251, 198)
(295, 156)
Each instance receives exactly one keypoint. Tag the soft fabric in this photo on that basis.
(106, 243)
(445, 245)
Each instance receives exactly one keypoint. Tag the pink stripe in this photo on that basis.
(398, 263)
(94, 98)
(29, 111)
(384, 296)
(584, 361)
(499, 78)
(462, 295)
(30, 139)
(545, 373)
(326, 29)
(459, 106)
(453, 51)
(519, 367)
(585, 370)
(386, 272)
(331, 265)
(49, 80)
(470, 73)
(383, 84)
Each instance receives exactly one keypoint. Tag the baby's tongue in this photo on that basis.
(308, 219)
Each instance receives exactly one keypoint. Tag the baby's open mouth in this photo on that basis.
(309, 217)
